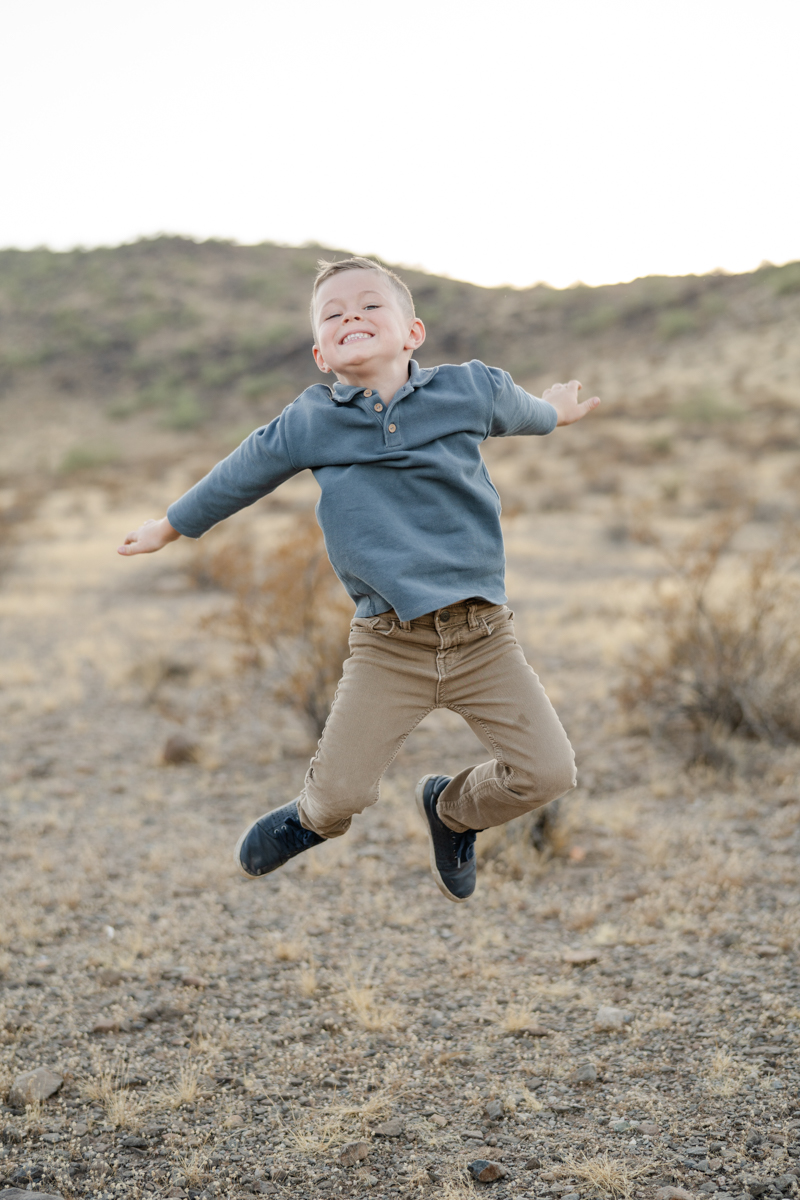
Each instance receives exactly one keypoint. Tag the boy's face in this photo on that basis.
(362, 326)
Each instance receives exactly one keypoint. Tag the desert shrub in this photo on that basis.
(675, 322)
(720, 650)
(88, 456)
(289, 601)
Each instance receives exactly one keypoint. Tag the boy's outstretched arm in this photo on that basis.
(148, 537)
(564, 399)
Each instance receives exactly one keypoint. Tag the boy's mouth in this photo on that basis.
(354, 337)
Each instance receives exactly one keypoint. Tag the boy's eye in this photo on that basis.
(332, 316)
(372, 306)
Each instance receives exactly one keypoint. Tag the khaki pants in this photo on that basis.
(465, 658)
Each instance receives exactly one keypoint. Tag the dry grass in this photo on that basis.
(369, 1010)
(610, 1176)
(518, 1017)
(721, 648)
(185, 1089)
(288, 950)
(123, 1109)
(724, 1075)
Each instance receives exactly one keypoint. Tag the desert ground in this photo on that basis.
(616, 1011)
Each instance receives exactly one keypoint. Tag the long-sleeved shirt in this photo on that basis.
(410, 517)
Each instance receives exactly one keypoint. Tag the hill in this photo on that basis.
(115, 351)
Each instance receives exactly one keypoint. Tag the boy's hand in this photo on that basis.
(148, 537)
(564, 399)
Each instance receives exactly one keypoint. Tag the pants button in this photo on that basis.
(444, 616)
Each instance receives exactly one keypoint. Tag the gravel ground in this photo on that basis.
(617, 1016)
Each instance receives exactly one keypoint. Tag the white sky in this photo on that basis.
(496, 141)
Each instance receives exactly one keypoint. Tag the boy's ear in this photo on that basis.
(416, 335)
(319, 360)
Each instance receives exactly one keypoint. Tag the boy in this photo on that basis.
(412, 527)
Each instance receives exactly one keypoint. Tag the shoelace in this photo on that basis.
(293, 833)
(464, 846)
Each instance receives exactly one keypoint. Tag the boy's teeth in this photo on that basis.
(352, 337)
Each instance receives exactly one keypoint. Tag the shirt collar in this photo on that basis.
(417, 377)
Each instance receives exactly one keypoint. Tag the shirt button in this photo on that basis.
(392, 429)
(368, 392)
(378, 407)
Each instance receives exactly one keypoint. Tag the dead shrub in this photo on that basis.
(290, 601)
(721, 647)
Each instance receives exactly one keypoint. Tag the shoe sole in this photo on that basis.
(442, 886)
(237, 854)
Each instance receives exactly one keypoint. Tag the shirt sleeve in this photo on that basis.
(515, 411)
(255, 468)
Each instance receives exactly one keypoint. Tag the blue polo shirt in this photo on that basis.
(410, 517)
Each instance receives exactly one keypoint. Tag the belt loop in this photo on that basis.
(487, 627)
(388, 632)
(472, 616)
(405, 626)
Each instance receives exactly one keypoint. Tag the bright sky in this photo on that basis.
(497, 141)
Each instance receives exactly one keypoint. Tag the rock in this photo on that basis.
(571, 1196)
(438, 1120)
(135, 1143)
(494, 1110)
(179, 749)
(767, 951)
(585, 1073)
(673, 1193)
(109, 977)
(195, 981)
(536, 1031)
(391, 1128)
(31, 1086)
(485, 1171)
(233, 1121)
(353, 1153)
(12, 1135)
(18, 1194)
(111, 1025)
(533, 1164)
(611, 1020)
(648, 1128)
(757, 1187)
(580, 958)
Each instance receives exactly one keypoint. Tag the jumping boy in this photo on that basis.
(411, 522)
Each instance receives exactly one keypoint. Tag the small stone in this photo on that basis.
(536, 1031)
(767, 951)
(494, 1110)
(585, 1073)
(179, 749)
(15, 1193)
(110, 1025)
(353, 1152)
(134, 1143)
(12, 1135)
(649, 1128)
(533, 1164)
(622, 1126)
(485, 1171)
(580, 958)
(611, 1020)
(438, 1120)
(32, 1086)
(330, 1021)
(195, 981)
(392, 1128)
(109, 977)
(708, 1186)
(571, 1196)
(673, 1193)
(234, 1121)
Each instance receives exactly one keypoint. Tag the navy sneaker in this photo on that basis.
(272, 841)
(452, 854)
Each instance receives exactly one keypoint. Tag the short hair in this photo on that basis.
(326, 270)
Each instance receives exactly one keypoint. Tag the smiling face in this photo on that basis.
(363, 328)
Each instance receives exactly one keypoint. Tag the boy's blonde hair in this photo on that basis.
(326, 270)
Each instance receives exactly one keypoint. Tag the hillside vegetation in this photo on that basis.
(115, 350)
